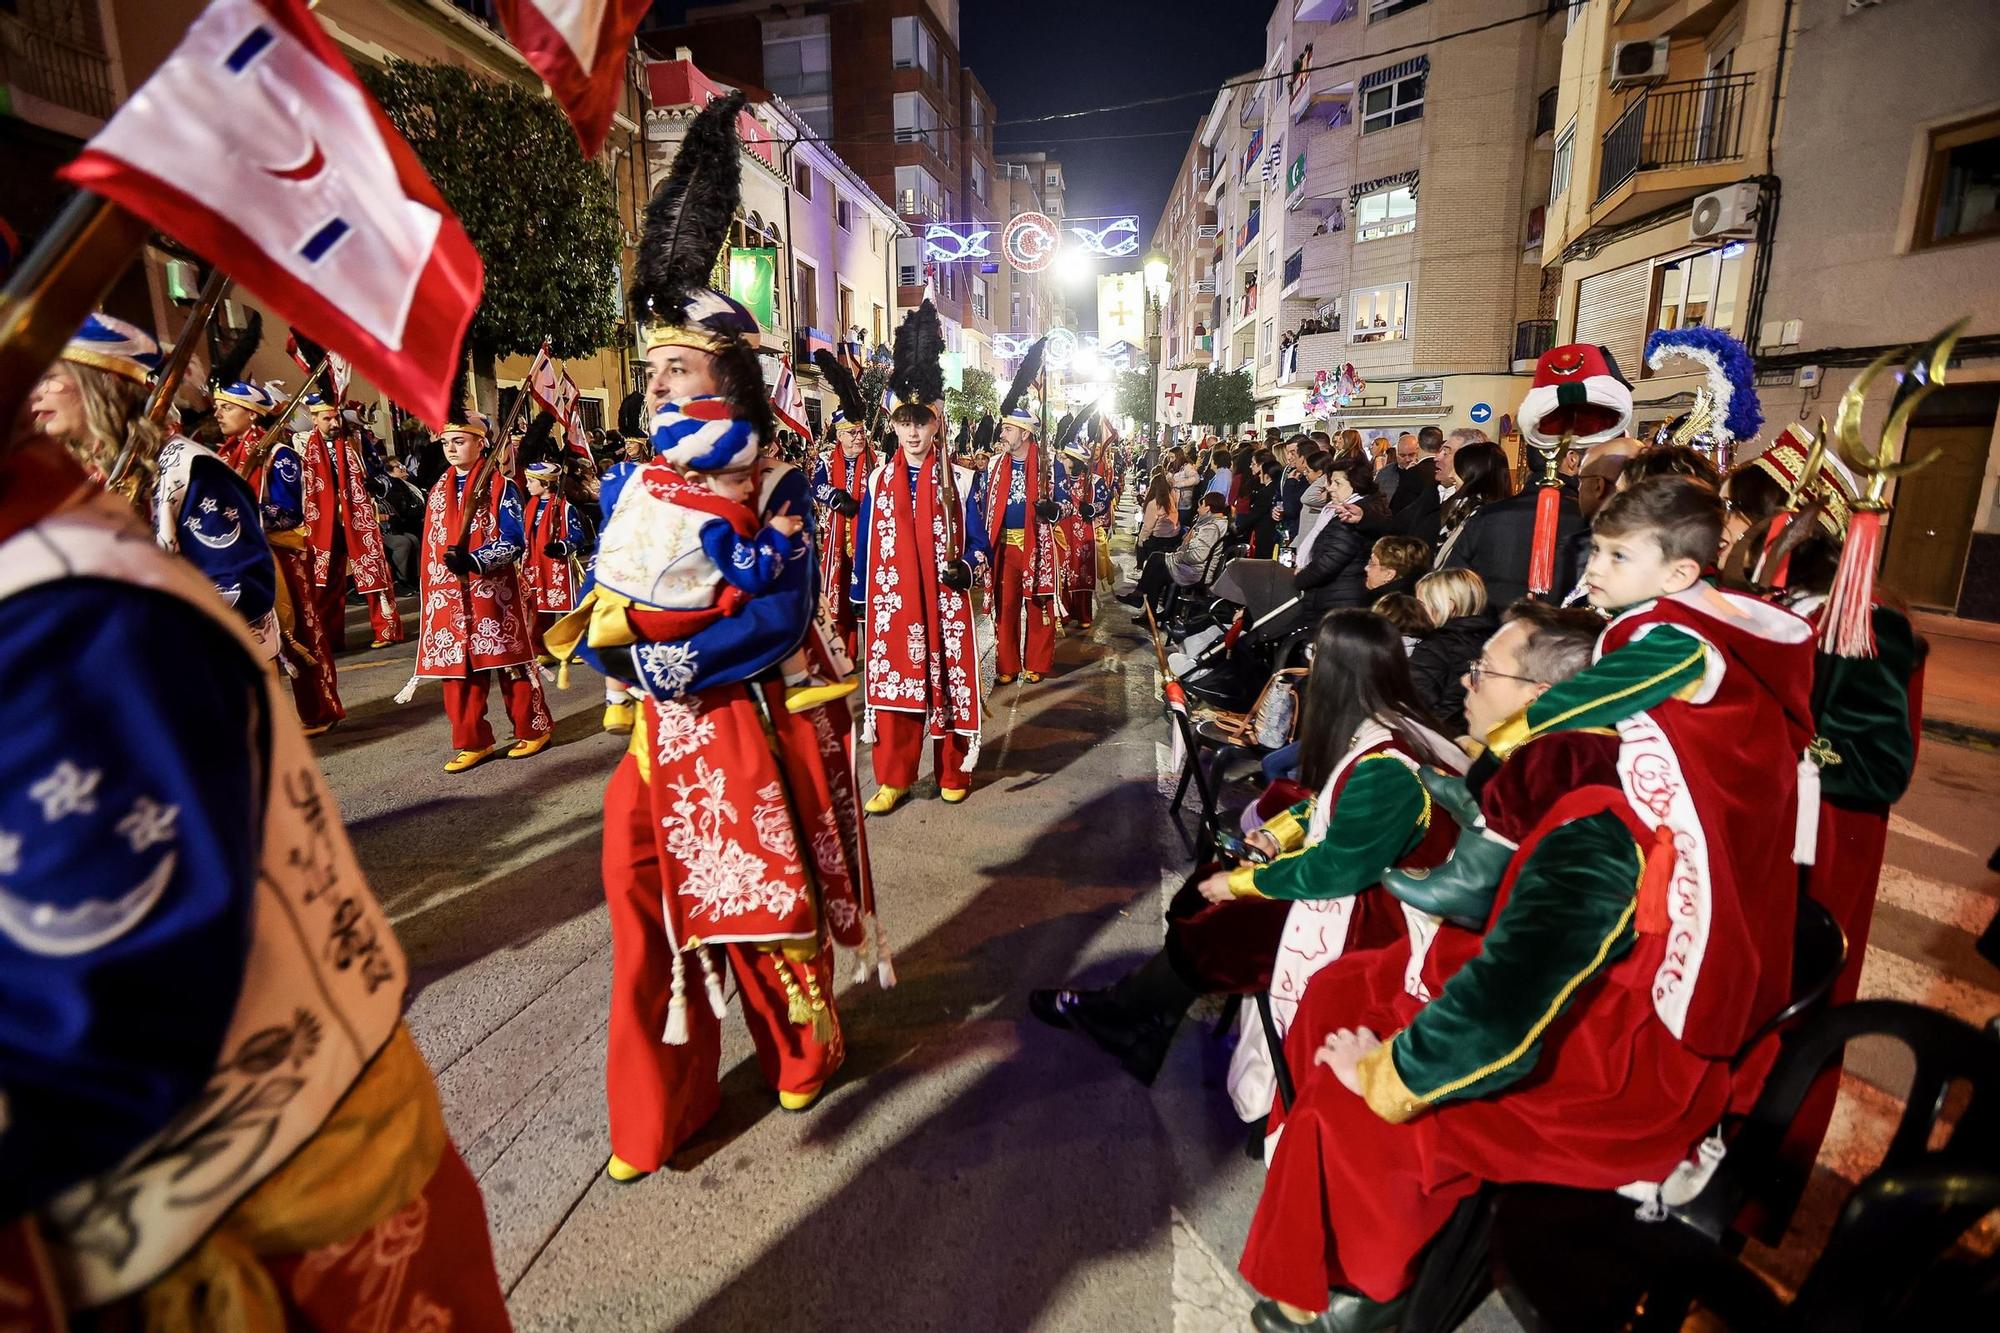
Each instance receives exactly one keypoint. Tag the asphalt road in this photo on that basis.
(968, 1169)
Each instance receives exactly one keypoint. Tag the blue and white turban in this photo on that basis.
(704, 434)
(115, 347)
(255, 397)
(1023, 418)
(544, 472)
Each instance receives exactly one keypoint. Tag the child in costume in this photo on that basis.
(554, 536)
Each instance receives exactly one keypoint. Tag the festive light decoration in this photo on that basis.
(1119, 237)
(1061, 347)
(1030, 242)
(949, 242)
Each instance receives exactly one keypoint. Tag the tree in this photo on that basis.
(1224, 399)
(975, 397)
(544, 221)
(1138, 394)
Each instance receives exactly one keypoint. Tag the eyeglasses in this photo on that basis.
(1479, 671)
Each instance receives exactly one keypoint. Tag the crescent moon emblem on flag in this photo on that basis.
(314, 164)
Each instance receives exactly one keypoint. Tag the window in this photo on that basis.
(1381, 9)
(1565, 159)
(1265, 332)
(1545, 112)
(1961, 198)
(877, 326)
(1393, 102)
(1385, 213)
(874, 240)
(1699, 289)
(918, 194)
(978, 181)
(846, 299)
(843, 214)
(979, 297)
(917, 121)
(909, 270)
(799, 66)
(1014, 323)
(805, 295)
(1379, 313)
(913, 47)
(947, 287)
(802, 180)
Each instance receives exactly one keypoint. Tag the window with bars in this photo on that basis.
(1385, 213)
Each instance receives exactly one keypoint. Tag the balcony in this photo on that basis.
(1295, 265)
(1532, 337)
(1311, 353)
(1672, 142)
(54, 70)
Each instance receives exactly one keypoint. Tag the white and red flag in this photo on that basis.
(256, 146)
(543, 385)
(337, 368)
(787, 401)
(570, 414)
(578, 47)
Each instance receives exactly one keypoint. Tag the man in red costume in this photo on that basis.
(474, 618)
(1024, 552)
(920, 659)
(265, 456)
(342, 530)
(837, 483)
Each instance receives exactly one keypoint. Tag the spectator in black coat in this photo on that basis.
(1413, 510)
(1456, 602)
(1292, 487)
(1333, 569)
(1260, 527)
(1498, 540)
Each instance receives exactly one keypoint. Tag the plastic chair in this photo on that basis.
(1575, 1259)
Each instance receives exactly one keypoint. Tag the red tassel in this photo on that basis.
(1847, 624)
(1542, 561)
(1654, 880)
(1777, 578)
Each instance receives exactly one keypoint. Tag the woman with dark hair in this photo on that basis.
(1319, 464)
(1495, 535)
(1483, 476)
(1260, 524)
(1330, 559)
(1362, 735)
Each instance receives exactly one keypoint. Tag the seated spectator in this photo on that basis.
(1407, 614)
(1455, 602)
(1394, 565)
(1190, 564)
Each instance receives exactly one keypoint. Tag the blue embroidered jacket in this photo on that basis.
(220, 534)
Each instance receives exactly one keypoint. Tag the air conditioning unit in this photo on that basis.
(1635, 63)
(1207, 231)
(1730, 211)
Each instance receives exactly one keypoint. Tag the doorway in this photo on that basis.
(1931, 528)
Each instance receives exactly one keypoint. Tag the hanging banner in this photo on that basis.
(1121, 308)
(753, 280)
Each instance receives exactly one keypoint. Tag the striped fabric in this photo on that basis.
(704, 435)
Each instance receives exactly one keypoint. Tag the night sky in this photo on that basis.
(1040, 57)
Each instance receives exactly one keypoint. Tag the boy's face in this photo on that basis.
(460, 448)
(536, 486)
(916, 438)
(737, 484)
(1631, 568)
(232, 418)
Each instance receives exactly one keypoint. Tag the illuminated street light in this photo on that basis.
(1072, 265)
(1156, 274)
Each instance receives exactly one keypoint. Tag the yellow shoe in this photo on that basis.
(953, 795)
(885, 799)
(623, 1171)
(465, 759)
(798, 1101)
(522, 749)
(620, 718)
(1032, 677)
(319, 730)
(379, 643)
(804, 698)
(1003, 679)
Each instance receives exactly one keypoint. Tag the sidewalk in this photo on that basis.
(1961, 678)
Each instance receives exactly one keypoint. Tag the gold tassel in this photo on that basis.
(797, 1009)
(822, 1015)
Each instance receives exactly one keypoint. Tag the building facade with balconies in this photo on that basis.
(1186, 235)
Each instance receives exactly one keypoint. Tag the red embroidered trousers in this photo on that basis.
(316, 687)
(899, 747)
(1037, 652)
(660, 1094)
(465, 706)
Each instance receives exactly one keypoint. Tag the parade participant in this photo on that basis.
(261, 1156)
(837, 479)
(1024, 551)
(94, 400)
(342, 529)
(475, 619)
(553, 537)
(707, 818)
(1086, 521)
(265, 456)
(922, 537)
(1246, 929)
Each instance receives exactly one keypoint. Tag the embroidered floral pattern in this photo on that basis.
(720, 877)
(680, 729)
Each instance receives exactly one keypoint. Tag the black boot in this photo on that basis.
(1134, 1020)
(1348, 1312)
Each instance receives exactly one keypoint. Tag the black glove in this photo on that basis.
(1047, 510)
(459, 561)
(844, 504)
(956, 575)
(1086, 511)
(556, 550)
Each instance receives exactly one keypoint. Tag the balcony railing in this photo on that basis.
(56, 66)
(1686, 124)
(1532, 337)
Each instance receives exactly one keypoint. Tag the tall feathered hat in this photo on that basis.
(114, 347)
(1577, 392)
(1731, 412)
(1014, 404)
(1811, 475)
(917, 376)
(464, 418)
(845, 391)
(687, 222)
(235, 359)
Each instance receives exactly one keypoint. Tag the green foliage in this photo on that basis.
(544, 221)
(1137, 394)
(976, 397)
(873, 381)
(1224, 399)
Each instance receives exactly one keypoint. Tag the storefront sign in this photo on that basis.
(1420, 393)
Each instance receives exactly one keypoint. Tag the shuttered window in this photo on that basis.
(1611, 311)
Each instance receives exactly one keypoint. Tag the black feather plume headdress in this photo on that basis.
(687, 222)
(463, 417)
(1031, 367)
(845, 390)
(918, 373)
(230, 363)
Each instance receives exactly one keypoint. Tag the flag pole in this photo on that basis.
(175, 369)
(86, 249)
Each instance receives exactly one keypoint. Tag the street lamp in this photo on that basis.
(1156, 275)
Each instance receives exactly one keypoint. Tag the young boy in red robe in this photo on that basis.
(552, 532)
(1024, 553)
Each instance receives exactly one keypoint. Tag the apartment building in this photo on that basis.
(1889, 230)
(1047, 184)
(1186, 235)
(1377, 188)
(68, 64)
(882, 82)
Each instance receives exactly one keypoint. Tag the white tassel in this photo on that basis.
(712, 982)
(409, 691)
(860, 977)
(971, 754)
(1805, 840)
(677, 1007)
(868, 724)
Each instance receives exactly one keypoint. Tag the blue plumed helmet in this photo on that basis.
(1726, 364)
(257, 399)
(704, 434)
(115, 347)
